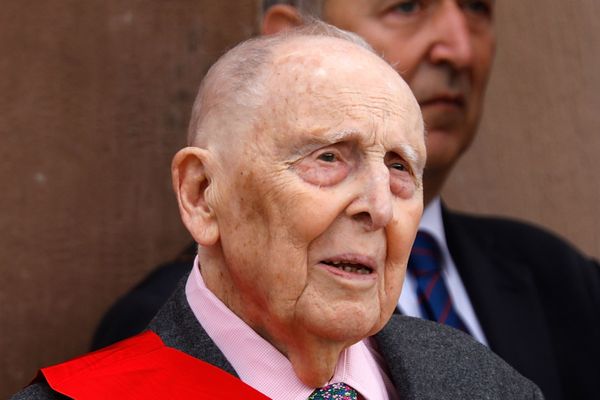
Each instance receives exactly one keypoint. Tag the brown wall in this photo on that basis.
(94, 100)
(536, 156)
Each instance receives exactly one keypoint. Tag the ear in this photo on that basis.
(191, 183)
(280, 17)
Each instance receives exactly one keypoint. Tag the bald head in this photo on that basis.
(234, 87)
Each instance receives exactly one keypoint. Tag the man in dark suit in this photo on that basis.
(302, 185)
(528, 295)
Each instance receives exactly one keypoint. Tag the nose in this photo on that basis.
(372, 207)
(451, 41)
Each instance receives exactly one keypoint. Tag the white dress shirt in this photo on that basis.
(433, 224)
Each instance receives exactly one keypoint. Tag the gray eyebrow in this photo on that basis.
(412, 156)
(323, 140)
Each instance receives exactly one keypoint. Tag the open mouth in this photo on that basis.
(348, 266)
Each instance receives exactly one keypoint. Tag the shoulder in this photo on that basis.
(428, 360)
(513, 229)
(540, 250)
(133, 311)
(40, 391)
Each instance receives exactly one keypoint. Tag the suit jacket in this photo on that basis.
(536, 298)
(425, 360)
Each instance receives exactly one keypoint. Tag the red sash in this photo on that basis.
(142, 367)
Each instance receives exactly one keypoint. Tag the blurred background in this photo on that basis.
(95, 97)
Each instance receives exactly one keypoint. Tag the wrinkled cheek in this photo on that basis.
(243, 205)
(283, 273)
(394, 278)
(403, 187)
(309, 217)
(400, 236)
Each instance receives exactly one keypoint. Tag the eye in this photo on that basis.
(396, 162)
(327, 157)
(478, 7)
(399, 166)
(406, 7)
(328, 165)
(402, 181)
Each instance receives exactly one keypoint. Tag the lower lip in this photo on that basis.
(348, 275)
(442, 104)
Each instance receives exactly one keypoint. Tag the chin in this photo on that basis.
(349, 329)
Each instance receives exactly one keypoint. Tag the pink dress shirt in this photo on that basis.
(263, 367)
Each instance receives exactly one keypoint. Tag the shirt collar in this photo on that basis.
(432, 223)
(261, 365)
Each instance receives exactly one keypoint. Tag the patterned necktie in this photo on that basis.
(335, 391)
(434, 300)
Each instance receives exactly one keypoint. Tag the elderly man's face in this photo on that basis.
(443, 49)
(320, 202)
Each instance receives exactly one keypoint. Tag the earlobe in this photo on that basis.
(191, 183)
(279, 18)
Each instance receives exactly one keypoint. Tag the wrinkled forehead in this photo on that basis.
(321, 80)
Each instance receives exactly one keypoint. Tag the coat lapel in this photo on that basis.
(504, 297)
(430, 361)
(177, 326)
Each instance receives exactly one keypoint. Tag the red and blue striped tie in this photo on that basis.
(434, 300)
